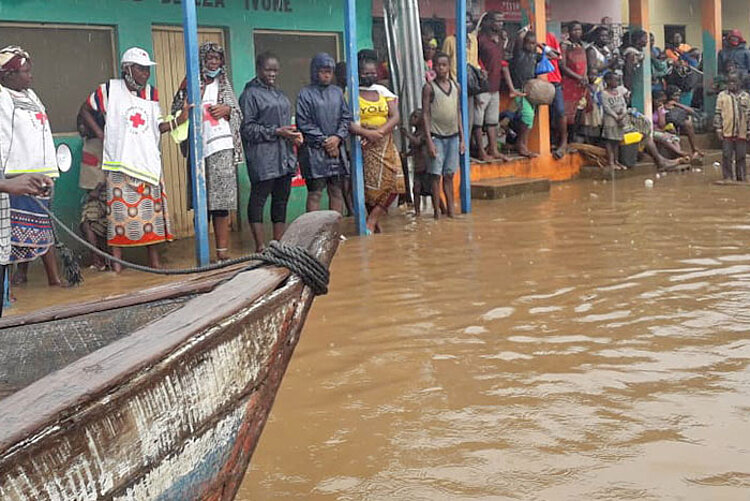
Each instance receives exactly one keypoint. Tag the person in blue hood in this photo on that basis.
(323, 119)
(735, 50)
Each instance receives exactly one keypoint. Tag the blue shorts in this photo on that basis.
(447, 158)
(558, 105)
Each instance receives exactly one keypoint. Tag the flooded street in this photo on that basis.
(587, 344)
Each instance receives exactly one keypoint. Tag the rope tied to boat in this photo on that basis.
(298, 260)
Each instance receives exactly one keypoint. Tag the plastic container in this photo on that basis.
(629, 154)
(632, 138)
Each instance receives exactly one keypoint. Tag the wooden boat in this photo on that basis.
(160, 395)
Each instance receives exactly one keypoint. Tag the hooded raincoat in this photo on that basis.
(265, 109)
(739, 55)
(322, 112)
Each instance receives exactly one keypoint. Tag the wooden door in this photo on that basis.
(169, 53)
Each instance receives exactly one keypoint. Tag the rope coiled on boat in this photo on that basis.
(298, 260)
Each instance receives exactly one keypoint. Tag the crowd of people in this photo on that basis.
(590, 70)
(121, 169)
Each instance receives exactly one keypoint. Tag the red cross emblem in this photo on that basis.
(137, 120)
(208, 118)
(41, 117)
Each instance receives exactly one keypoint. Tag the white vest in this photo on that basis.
(26, 144)
(131, 135)
(217, 135)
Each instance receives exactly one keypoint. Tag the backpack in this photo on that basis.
(476, 82)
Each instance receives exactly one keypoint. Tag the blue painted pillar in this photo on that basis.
(352, 69)
(195, 141)
(465, 164)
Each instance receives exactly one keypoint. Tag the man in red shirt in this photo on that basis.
(557, 110)
(487, 104)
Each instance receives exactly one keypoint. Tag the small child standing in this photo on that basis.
(731, 121)
(418, 150)
(589, 112)
(615, 116)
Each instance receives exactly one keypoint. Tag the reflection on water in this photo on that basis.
(589, 344)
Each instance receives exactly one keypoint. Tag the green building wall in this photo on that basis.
(133, 21)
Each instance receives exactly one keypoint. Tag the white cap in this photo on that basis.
(136, 55)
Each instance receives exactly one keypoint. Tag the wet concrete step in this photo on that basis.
(504, 187)
(644, 168)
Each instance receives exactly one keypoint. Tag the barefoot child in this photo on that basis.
(615, 115)
(418, 150)
(670, 142)
(731, 121)
(680, 116)
(441, 117)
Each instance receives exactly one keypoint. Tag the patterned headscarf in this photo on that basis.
(12, 58)
(205, 49)
(226, 96)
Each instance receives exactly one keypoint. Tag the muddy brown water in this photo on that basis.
(589, 344)
(592, 343)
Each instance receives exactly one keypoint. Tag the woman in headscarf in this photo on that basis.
(26, 147)
(384, 178)
(323, 119)
(428, 53)
(137, 213)
(222, 146)
(268, 137)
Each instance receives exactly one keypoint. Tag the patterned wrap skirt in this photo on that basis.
(136, 212)
(384, 175)
(221, 181)
(31, 229)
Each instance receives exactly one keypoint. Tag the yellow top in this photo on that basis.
(472, 52)
(373, 114)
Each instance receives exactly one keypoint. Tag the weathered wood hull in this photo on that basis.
(172, 411)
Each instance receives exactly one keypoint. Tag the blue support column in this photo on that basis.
(195, 141)
(465, 163)
(358, 184)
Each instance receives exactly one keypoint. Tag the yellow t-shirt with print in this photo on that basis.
(373, 114)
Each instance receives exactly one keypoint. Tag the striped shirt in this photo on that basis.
(99, 98)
